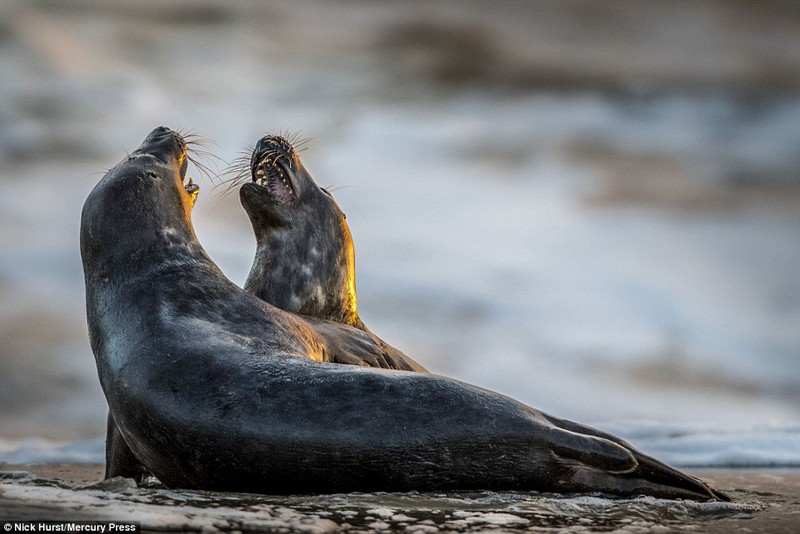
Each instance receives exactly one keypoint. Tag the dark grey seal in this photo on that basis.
(305, 258)
(213, 388)
(337, 345)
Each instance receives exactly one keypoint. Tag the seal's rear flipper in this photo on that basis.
(652, 476)
(613, 467)
(593, 451)
(660, 473)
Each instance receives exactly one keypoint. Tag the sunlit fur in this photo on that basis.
(305, 256)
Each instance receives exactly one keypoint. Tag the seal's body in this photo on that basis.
(305, 259)
(135, 248)
(213, 388)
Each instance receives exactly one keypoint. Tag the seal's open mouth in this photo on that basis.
(191, 188)
(272, 162)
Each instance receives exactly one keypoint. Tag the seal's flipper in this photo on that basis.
(593, 451)
(662, 474)
(579, 428)
(607, 461)
(120, 460)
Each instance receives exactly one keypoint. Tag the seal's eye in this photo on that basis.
(326, 192)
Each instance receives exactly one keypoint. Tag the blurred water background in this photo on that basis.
(591, 206)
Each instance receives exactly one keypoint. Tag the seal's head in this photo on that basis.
(141, 206)
(304, 260)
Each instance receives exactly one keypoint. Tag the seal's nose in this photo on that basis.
(160, 131)
(272, 144)
(163, 143)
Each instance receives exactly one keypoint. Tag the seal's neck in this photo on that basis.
(134, 224)
(313, 279)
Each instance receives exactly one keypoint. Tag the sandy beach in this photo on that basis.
(764, 501)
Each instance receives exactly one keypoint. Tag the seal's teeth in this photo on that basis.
(261, 172)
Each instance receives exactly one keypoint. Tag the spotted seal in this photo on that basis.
(305, 258)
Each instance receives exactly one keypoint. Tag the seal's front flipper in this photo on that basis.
(120, 460)
(345, 344)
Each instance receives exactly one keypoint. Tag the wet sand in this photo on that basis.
(766, 501)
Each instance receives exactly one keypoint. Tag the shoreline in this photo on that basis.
(765, 501)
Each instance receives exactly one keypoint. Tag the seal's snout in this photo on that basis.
(164, 144)
(271, 165)
(170, 147)
(159, 133)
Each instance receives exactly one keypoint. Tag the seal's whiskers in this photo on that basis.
(199, 156)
